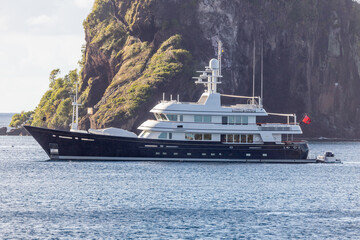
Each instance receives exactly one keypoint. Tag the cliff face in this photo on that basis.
(138, 49)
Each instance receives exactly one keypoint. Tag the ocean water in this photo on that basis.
(148, 200)
(5, 119)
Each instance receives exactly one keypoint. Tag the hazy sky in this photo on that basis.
(37, 36)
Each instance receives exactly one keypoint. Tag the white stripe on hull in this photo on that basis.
(84, 158)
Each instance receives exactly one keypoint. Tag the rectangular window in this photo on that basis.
(163, 117)
(197, 118)
(248, 155)
(238, 120)
(198, 136)
(189, 136)
(250, 138)
(223, 138)
(172, 117)
(236, 138)
(189, 154)
(163, 135)
(181, 118)
(224, 120)
(244, 120)
(231, 120)
(175, 153)
(243, 138)
(230, 138)
(264, 154)
(207, 136)
(207, 119)
(170, 135)
(203, 154)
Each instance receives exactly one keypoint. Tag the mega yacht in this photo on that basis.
(204, 131)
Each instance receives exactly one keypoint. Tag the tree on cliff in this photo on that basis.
(55, 106)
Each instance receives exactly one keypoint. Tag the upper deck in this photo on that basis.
(209, 104)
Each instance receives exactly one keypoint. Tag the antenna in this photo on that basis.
(253, 93)
(262, 73)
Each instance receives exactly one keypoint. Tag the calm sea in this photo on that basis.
(134, 200)
(5, 119)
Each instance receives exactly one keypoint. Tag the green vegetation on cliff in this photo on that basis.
(168, 61)
(55, 109)
(20, 119)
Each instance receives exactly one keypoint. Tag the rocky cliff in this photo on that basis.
(135, 50)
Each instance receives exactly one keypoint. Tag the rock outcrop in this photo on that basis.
(135, 50)
(18, 132)
(3, 131)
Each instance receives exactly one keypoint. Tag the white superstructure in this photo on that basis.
(208, 120)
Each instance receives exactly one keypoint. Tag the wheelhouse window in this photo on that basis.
(163, 135)
(160, 116)
(172, 117)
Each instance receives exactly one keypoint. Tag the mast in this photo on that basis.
(253, 93)
(75, 119)
(219, 55)
(262, 73)
(211, 73)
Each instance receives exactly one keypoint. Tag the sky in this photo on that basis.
(37, 36)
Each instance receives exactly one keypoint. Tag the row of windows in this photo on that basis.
(237, 138)
(205, 154)
(198, 136)
(229, 138)
(169, 117)
(235, 120)
(202, 118)
(165, 135)
(226, 120)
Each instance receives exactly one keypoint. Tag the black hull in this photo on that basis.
(66, 145)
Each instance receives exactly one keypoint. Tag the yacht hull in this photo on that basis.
(67, 145)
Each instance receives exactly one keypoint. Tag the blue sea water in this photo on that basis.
(5, 119)
(148, 200)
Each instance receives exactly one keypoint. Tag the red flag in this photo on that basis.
(306, 119)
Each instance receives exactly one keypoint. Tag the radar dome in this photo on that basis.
(214, 64)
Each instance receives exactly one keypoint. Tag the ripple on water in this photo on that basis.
(42, 199)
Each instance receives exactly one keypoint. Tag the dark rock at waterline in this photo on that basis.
(3, 131)
(17, 132)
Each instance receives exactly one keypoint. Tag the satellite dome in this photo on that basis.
(214, 64)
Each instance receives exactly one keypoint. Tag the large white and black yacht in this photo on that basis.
(186, 131)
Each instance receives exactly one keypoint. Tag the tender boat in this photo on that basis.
(204, 130)
(328, 157)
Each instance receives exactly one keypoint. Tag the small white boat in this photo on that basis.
(328, 157)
